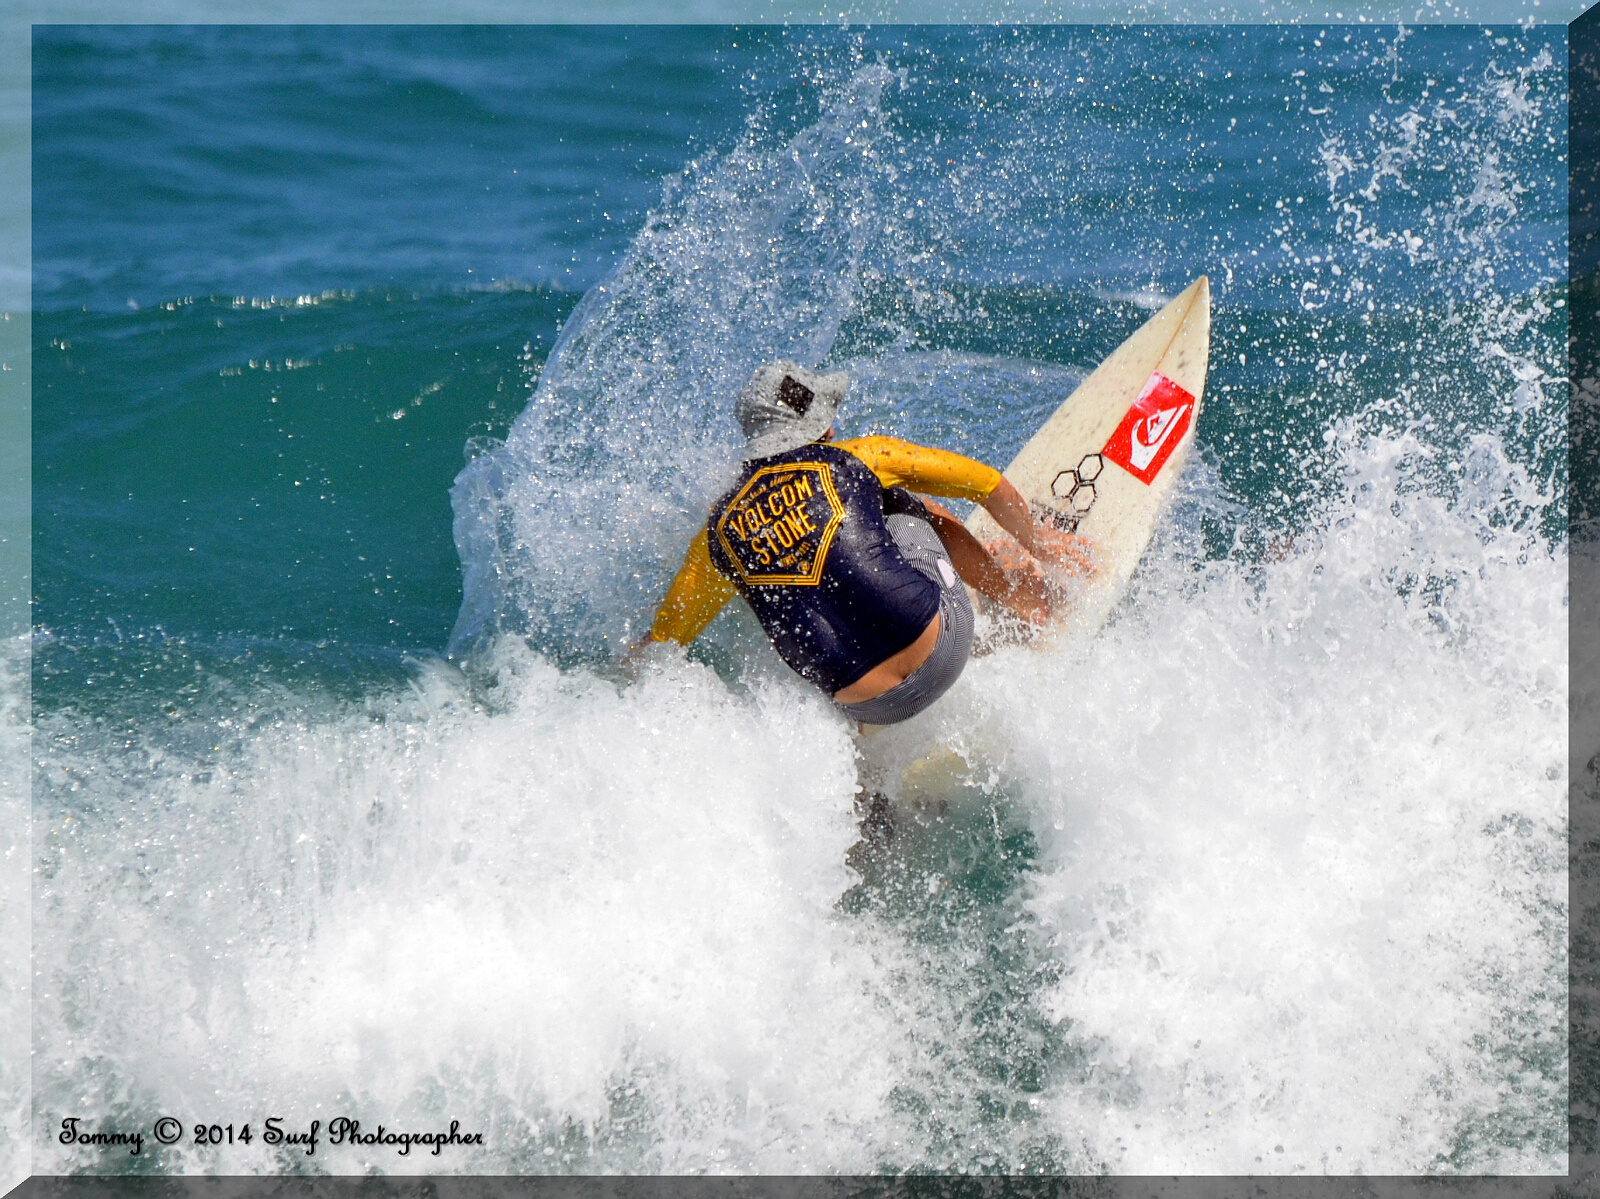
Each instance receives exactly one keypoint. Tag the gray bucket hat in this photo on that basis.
(784, 406)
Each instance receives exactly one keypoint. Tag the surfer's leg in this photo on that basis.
(1020, 591)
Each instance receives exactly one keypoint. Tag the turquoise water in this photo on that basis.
(380, 376)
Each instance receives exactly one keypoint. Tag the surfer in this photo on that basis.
(855, 579)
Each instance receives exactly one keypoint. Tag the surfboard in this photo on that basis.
(1102, 466)
(1104, 463)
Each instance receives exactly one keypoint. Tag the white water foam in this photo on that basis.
(16, 1099)
(519, 919)
(1305, 829)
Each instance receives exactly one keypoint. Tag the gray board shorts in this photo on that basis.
(926, 553)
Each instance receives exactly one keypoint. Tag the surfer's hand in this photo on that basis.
(638, 654)
(1028, 597)
(1069, 552)
(1020, 585)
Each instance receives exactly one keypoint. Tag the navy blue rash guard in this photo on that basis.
(802, 537)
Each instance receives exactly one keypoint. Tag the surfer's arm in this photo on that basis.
(697, 594)
(940, 472)
(1048, 544)
(934, 472)
(1011, 513)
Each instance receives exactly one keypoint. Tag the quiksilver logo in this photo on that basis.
(1151, 433)
(1152, 429)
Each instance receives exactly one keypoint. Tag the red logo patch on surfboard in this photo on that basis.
(1152, 428)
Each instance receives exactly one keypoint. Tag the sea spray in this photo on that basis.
(751, 255)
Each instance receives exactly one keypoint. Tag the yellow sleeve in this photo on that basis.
(697, 594)
(937, 472)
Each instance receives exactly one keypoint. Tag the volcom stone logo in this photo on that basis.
(779, 527)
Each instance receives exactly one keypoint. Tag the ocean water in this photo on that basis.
(381, 375)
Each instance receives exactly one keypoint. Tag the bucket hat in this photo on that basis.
(784, 406)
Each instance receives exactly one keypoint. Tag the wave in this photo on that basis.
(1270, 877)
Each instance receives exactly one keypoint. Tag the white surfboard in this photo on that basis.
(1102, 466)
(1104, 463)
